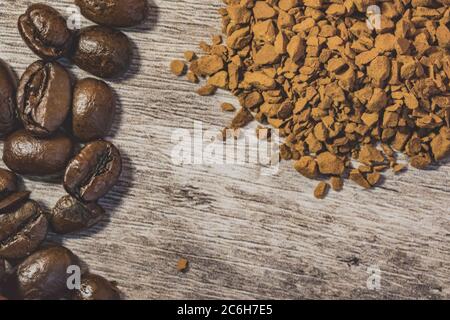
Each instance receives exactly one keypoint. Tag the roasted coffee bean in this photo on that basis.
(95, 287)
(71, 215)
(22, 230)
(43, 275)
(94, 171)
(44, 97)
(8, 85)
(93, 109)
(102, 51)
(29, 155)
(11, 200)
(8, 182)
(114, 13)
(45, 31)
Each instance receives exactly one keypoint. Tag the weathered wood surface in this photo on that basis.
(245, 235)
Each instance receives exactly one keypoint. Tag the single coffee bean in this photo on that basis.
(102, 51)
(43, 275)
(29, 155)
(114, 13)
(13, 199)
(70, 215)
(44, 97)
(95, 287)
(93, 109)
(22, 230)
(8, 85)
(8, 182)
(94, 171)
(45, 31)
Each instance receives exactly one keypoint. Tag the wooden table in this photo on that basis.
(245, 235)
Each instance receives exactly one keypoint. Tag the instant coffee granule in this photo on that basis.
(182, 265)
(343, 84)
(228, 107)
(321, 190)
(178, 67)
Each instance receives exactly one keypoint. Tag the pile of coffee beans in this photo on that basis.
(53, 128)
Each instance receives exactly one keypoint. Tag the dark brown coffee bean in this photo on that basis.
(29, 155)
(102, 51)
(114, 13)
(8, 85)
(8, 182)
(94, 171)
(43, 275)
(45, 31)
(22, 230)
(13, 199)
(44, 97)
(93, 109)
(70, 215)
(95, 287)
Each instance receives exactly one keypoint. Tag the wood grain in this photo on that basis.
(245, 235)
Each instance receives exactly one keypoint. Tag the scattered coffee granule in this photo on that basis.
(373, 178)
(207, 90)
(219, 80)
(190, 55)
(358, 177)
(228, 107)
(337, 183)
(241, 119)
(178, 67)
(398, 167)
(330, 164)
(338, 91)
(440, 145)
(182, 265)
(321, 190)
(307, 166)
(192, 77)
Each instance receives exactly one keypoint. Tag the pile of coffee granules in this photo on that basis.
(338, 88)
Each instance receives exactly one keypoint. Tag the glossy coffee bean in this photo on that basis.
(29, 155)
(95, 287)
(45, 31)
(8, 85)
(12, 199)
(8, 182)
(114, 13)
(102, 51)
(94, 171)
(70, 215)
(43, 275)
(22, 230)
(93, 109)
(44, 97)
